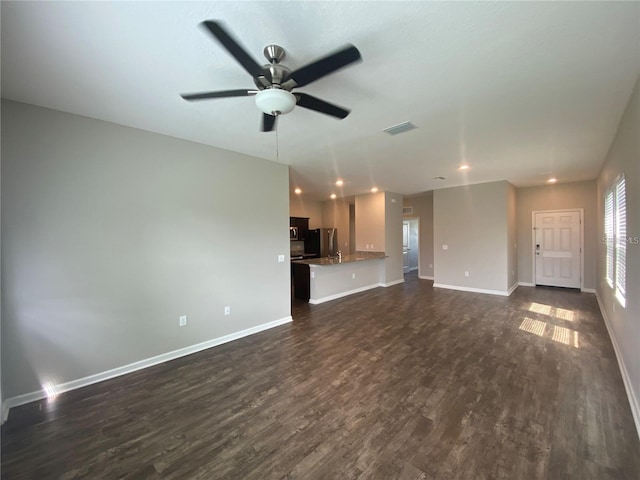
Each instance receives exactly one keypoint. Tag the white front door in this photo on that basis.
(557, 248)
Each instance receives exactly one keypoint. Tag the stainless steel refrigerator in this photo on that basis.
(322, 242)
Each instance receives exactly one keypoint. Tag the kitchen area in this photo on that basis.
(320, 271)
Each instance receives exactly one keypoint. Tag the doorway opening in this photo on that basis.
(410, 245)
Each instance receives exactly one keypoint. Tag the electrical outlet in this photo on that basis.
(466, 274)
(353, 275)
(182, 321)
(227, 310)
(280, 258)
(445, 247)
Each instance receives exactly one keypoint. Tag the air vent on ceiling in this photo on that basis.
(407, 210)
(399, 128)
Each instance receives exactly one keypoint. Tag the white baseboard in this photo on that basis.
(335, 296)
(395, 282)
(633, 400)
(132, 367)
(512, 289)
(588, 290)
(503, 293)
(424, 277)
(526, 284)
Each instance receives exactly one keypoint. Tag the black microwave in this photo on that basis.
(293, 233)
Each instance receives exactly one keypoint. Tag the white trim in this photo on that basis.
(533, 240)
(588, 290)
(503, 293)
(343, 294)
(424, 277)
(512, 288)
(135, 366)
(526, 284)
(395, 282)
(633, 400)
(5, 412)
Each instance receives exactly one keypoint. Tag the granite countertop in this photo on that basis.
(356, 257)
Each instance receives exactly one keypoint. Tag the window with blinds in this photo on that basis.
(608, 232)
(615, 230)
(620, 221)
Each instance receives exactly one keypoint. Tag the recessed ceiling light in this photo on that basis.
(297, 191)
(463, 167)
(552, 180)
(339, 182)
(333, 196)
(374, 189)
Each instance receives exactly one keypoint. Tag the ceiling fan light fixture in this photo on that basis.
(275, 101)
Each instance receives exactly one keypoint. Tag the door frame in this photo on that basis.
(533, 241)
(417, 219)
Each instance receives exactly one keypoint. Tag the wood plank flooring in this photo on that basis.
(407, 382)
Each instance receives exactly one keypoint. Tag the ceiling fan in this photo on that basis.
(275, 81)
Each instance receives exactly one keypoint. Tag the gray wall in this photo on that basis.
(624, 323)
(512, 236)
(557, 197)
(393, 238)
(423, 209)
(3, 413)
(370, 222)
(414, 245)
(299, 206)
(111, 233)
(472, 221)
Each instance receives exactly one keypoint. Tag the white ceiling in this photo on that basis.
(519, 90)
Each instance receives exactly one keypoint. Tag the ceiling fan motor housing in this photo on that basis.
(274, 70)
(274, 53)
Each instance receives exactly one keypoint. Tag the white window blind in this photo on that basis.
(609, 240)
(620, 222)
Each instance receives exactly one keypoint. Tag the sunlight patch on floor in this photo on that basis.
(560, 313)
(563, 314)
(558, 334)
(533, 326)
(540, 308)
(565, 336)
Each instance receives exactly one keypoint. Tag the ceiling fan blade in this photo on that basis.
(313, 103)
(219, 94)
(268, 122)
(324, 66)
(234, 48)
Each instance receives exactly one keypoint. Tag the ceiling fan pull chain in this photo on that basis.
(277, 142)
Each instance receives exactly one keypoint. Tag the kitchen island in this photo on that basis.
(322, 279)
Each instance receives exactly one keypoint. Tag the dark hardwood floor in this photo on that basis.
(406, 382)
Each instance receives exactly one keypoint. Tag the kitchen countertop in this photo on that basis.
(356, 257)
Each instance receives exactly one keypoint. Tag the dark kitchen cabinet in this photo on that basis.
(302, 224)
(301, 281)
